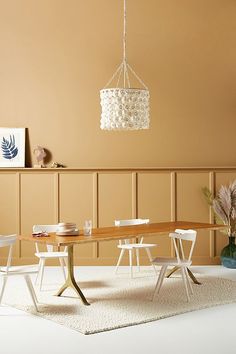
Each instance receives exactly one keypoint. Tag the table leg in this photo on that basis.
(193, 277)
(173, 270)
(70, 281)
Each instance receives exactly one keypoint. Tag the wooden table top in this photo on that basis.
(121, 232)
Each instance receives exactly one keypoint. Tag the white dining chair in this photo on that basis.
(49, 254)
(127, 245)
(9, 271)
(181, 260)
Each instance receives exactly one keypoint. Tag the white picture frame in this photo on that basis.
(12, 147)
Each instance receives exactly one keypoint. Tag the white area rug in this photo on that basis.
(117, 301)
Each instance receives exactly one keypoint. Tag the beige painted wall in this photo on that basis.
(57, 54)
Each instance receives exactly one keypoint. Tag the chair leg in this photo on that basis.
(31, 291)
(62, 267)
(3, 288)
(137, 259)
(119, 259)
(185, 283)
(39, 270)
(130, 263)
(162, 278)
(188, 281)
(41, 274)
(65, 259)
(65, 262)
(150, 258)
(159, 281)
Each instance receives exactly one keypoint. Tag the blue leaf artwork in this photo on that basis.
(9, 149)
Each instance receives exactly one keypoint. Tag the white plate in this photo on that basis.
(60, 229)
(69, 225)
(71, 233)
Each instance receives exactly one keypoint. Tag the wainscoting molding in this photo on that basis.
(46, 196)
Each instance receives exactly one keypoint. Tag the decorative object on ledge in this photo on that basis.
(12, 147)
(56, 165)
(224, 207)
(124, 107)
(40, 155)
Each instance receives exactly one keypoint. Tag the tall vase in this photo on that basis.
(228, 254)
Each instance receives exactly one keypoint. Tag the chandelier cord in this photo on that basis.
(124, 33)
(124, 45)
(124, 67)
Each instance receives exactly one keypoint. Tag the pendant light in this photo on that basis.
(123, 106)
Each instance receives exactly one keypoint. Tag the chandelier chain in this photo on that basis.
(119, 76)
(114, 75)
(124, 34)
(124, 68)
(137, 77)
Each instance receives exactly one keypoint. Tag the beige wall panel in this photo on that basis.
(222, 178)
(8, 208)
(191, 206)
(38, 205)
(154, 202)
(114, 202)
(39, 199)
(76, 204)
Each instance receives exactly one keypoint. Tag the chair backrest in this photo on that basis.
(130, 222)
(180, 236)
(8, 241)
(182, 231)
(45, 228)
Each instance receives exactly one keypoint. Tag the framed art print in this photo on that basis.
(12, 147)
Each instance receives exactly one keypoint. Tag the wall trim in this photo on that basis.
(127, 169)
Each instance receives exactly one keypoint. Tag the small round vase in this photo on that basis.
(228, 254)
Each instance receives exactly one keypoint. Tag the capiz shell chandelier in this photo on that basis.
(124, 107)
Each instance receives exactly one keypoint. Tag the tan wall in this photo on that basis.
(57, 54)
(48, 196)
(55, 57)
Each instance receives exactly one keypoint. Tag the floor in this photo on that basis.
(209, 331)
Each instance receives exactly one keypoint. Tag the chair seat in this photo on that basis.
(51, 254)
(171, 262)
(130, 246)
(19, 270)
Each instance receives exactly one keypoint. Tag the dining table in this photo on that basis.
(113, 233)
